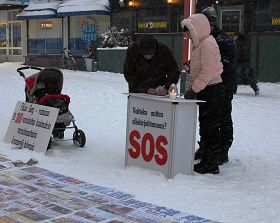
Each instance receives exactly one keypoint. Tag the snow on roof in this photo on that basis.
(39, 11)
(84, 7)
(67, 8)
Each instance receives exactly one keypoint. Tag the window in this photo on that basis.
(45, 36)
(85, 29)
(231, 20)
(3, 40)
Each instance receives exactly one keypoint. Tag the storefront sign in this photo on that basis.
(88, 27)
(152, 25)
(46, 25)
(275, 21)
(31, 126)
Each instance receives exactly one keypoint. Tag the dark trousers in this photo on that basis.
(210, 121)
(226, 122)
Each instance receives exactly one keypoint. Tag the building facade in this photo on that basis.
(11, 35)
(150, 16)
(40, 29)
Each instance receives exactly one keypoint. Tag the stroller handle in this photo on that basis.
(19, 70)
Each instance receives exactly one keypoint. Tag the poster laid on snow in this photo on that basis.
(31, 126)
(34, 194)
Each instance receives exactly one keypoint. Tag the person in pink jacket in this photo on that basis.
(206, 84)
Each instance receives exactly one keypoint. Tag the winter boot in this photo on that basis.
(257, 92)
(226, 144)
(204, 167)
(255, 88)
(223, 159)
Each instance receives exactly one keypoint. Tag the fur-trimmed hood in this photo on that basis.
(198, 26)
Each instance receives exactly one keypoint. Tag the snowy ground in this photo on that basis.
(247, 189)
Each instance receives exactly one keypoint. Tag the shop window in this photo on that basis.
(124, 20)
(83, 29)
(3, 40)
(231, 20)
(45, 36)
(16, 34)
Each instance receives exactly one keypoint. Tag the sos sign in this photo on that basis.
(148, 147)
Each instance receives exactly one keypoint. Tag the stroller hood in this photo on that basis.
(49, 79)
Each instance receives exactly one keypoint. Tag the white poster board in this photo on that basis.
(149, 134)
(31, 126)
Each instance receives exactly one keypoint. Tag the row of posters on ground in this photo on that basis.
(32, 194)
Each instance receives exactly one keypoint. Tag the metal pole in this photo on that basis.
(189, 9)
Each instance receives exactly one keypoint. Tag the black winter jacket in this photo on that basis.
(228, 57)
(142, 74)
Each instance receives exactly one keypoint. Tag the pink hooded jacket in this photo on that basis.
(205, 65)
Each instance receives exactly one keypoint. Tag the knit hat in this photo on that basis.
(147, 45)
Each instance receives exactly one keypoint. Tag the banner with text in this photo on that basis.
(149, 134)
(31, 126)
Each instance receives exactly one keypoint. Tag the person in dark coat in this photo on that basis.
(150, 67)
(245, 74)
(228, 58)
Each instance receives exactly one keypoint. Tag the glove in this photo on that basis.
(190, 94)
(162, 92)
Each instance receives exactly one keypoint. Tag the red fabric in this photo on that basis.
(29, 82)
(45, 98)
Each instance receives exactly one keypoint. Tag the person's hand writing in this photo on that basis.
(151, 91)
(162, 92)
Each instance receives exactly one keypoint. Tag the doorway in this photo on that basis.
(10, 34)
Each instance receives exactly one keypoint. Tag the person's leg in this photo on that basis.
(209, 121)
(226, 127)
(253, 82)
(255, 88)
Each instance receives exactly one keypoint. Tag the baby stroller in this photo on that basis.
(44, 88)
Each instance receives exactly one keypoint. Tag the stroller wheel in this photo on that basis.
(49, 144)
(79, 138)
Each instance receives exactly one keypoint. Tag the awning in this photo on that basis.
(39, 11)
(84, 7)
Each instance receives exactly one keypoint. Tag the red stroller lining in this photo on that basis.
(45, 98)
(30, 82)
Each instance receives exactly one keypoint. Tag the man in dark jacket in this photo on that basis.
(245, 74)
(228, 58)
(150, 67)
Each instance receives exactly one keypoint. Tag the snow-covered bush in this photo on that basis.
(115, 37)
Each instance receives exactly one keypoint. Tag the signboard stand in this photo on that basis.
(161, 133)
